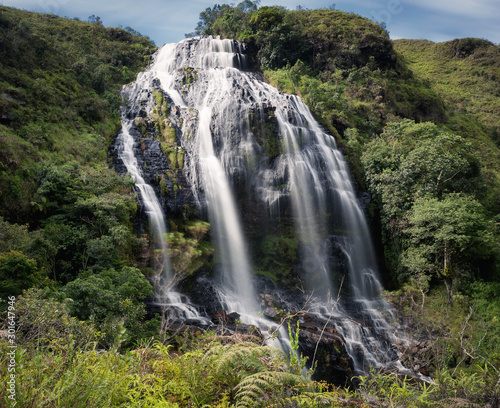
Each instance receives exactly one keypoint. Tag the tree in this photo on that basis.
(248, 6)
(267, 17)
(17, 272)
(446, 237)
(93, 19)
(411, 160)
(208, 18)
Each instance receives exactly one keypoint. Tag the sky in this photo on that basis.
(166, 21)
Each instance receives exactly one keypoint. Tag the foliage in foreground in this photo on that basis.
(58, 364)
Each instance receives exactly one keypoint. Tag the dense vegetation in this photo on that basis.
(419, 125)
(61, 367)
(62, 209)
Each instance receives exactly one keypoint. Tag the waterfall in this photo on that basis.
(319, 184)
(208, 168)
(178, 306)
(153, 209)
(242, 136)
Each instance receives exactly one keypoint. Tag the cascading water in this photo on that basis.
(208, 171)
(126, 145)
(333, 231)
(216, 104)
(161, 265)
(213, 163)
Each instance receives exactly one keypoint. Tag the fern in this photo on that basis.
(311, 400)
(232, 339)
(242, 356)
(260, 389)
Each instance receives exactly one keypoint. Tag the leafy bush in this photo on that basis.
(45, 322)
(17, 272)
(107, 292)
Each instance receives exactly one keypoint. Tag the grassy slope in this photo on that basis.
(60, 84)
(466, 74)
(59, 98)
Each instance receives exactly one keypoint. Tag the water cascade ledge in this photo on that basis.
(252, 155)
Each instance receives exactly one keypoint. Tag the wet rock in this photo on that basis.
(271, 312)
(221, 317)
(202, 292)
(267, 299)
(418, 357)
(230, 324)
(327, 346)
(235, 317)
(364, 199)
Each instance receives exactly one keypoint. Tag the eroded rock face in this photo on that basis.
(158, 148)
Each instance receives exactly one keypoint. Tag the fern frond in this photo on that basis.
(260, 389)
(233, 338)
(245, 355)
(312, 400)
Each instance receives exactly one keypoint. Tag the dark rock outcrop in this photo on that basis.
(322, 344)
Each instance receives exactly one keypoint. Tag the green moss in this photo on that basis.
(158, 97)
(169, 133)
(163, 125)
(174, 155)
(266, 132)
(180, 159)
(163, 187)
(140, 124)
(189, 75)
(278, 255)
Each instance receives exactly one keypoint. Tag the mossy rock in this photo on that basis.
(278, 253)
(189, 75)
(140, 124)
(163, 187)
(174, 155)
(266, 131)
(168, 133)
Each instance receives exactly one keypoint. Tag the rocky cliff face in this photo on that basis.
(159, 151)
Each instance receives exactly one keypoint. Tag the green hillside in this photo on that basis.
(59, 84)
(465, 72)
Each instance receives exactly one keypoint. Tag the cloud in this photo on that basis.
(470, 8)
